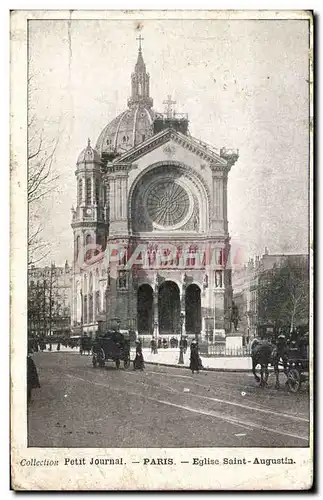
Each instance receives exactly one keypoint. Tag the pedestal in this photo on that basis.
(233, 341)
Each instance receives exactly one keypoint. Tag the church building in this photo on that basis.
(151, 241)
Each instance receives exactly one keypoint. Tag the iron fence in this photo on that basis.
(218, 350)
(206, 349)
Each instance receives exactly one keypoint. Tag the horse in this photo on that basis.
(86, 345)
(264, 353)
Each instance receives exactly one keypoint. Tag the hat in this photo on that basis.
(193, 342)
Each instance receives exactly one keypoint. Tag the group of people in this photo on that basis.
(163, 343)
(195, 360)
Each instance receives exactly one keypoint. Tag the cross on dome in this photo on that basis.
(169, 106)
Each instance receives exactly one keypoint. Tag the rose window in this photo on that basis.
(167, 203)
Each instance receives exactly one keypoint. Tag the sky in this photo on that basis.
(244, 84)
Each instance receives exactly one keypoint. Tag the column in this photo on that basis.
(155, 308)
(219, 187)
(183, 309)
(118, 180)
(112, 199)
(92, 191)
(225, 201)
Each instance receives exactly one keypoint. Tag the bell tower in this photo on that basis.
(89, 224)
(89, 219)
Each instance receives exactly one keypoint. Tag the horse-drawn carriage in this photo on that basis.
(293, 357)
(111, 345)
(297, 366)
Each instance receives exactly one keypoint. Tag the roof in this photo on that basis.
(201, 149)
(88, 155)
(128, 129)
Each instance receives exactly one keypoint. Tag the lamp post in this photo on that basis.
(155, 329)
(155, 336)
(181, 348)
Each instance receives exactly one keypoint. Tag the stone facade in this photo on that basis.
(246, 283)
(155, 214)
(49, 300)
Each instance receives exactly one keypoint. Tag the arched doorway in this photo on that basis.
(145, 309)
(193, 310)
(168, 308)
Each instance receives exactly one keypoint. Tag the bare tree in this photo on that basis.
(284, 295)
(42, 180)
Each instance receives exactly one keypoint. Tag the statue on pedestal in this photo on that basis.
(235, 316)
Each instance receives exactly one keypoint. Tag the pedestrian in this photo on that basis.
(184, 345)
(138, 363)
(32, 377)
(153, 345)
(58, 348)
(195, 362)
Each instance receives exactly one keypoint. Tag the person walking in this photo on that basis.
(195, 361)
(138, 363)
(32, 377)
(184, 345)
(153, 346)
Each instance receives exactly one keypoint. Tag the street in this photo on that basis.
(80, 406)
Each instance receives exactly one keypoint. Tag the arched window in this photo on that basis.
(104, 195)
(97, 302)
(85, 310)
(88, 243)
(80, 193)
(91, 283)
(97, 191)
(88, 191)
(90, 308)
(77, 246)
(85, 285)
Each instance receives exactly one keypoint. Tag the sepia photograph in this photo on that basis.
(168, 273)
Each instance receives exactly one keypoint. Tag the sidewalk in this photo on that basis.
(169, 357)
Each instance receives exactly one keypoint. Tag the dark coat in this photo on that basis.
(195, 362)
(32, 375)
(138, 363)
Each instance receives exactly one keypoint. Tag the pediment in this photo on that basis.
(170, 138)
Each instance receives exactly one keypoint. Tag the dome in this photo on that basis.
(88, 155)
(127, 130)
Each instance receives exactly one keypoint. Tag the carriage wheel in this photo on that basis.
(126, 363)
(293, 380)
(118, 363)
